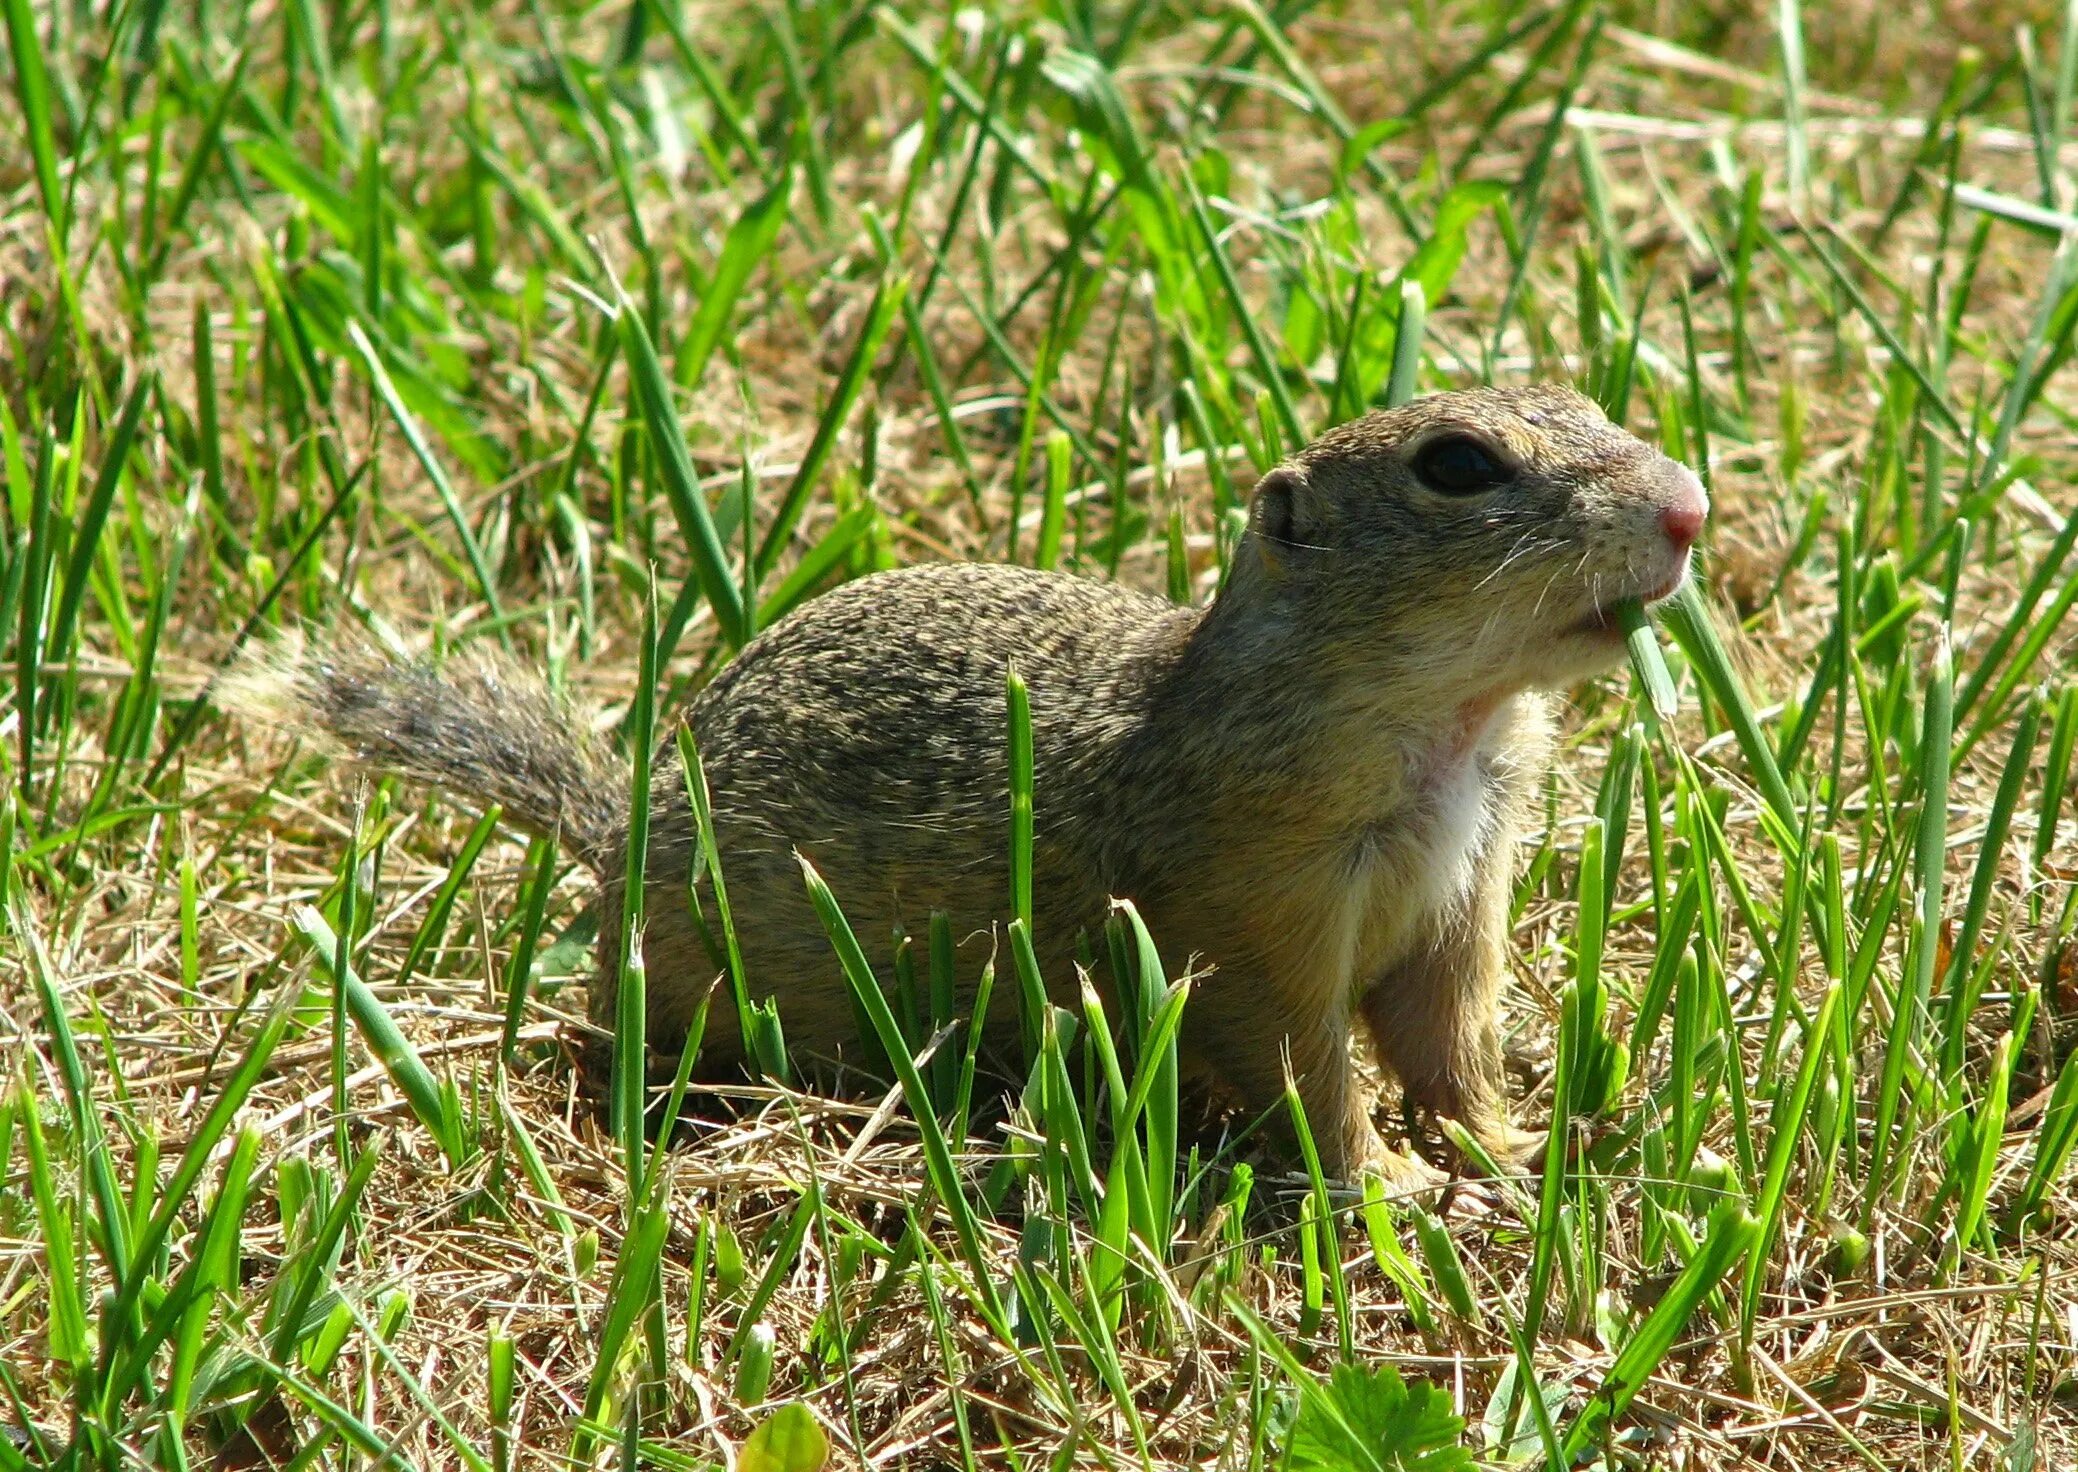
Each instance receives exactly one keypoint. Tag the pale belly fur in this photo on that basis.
(1404, 887)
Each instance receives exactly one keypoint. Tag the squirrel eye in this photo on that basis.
(1459, 465)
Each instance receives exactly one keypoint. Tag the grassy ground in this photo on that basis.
(308, 316)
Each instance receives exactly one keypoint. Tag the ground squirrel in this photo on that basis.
(1312, 786)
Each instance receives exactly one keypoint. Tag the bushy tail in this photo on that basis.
(477, 725)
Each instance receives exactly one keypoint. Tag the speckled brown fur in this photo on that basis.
(1312, 787)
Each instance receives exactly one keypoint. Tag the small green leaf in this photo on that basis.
(789, 1440)
(1373, 1418)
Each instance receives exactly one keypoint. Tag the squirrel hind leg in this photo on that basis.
(1438, 1034)
(1336, 1103)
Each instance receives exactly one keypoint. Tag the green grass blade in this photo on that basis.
(93, 516)
(1688, 619)
(1930, 858)
(422, 451)
(865, 348)
(1786, 1124)
(1731, 1235)
(111, 1220)
(675, 465)
(32, 93)
(694, 773)
(748, 244)
(433, 929)
(429, 1103)
(944, 1174)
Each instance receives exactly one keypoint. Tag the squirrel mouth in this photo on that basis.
(1602, 622)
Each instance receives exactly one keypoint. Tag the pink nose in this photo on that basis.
(1682, 518)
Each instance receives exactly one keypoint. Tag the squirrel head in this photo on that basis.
(1481, 538)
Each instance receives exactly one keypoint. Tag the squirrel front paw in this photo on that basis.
(1513, 1149)
(1402, 1173)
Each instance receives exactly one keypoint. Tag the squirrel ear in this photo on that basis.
(1274, 513)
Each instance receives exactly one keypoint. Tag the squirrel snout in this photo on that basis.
(1682, 518)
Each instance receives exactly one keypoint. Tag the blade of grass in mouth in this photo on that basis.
(1646, 659)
